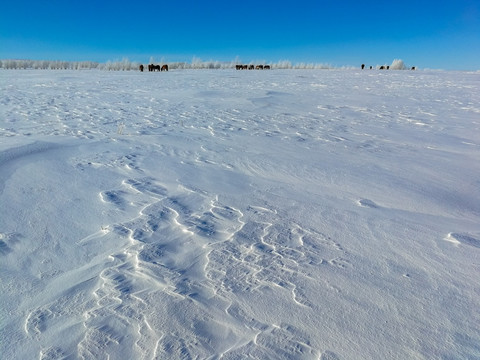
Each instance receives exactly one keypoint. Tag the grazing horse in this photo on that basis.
(164, 68)
(251, 67)
(266, 67)
(382, 67)
(141, 68)
(259, 67)
(363, 66)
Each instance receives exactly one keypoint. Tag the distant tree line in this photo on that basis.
(196, 63)
(124, 65)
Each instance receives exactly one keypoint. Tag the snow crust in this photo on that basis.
(284, 214)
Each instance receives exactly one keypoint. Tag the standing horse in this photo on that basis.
(164, 68)
(141, 68)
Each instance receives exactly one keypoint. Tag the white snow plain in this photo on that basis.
(283, 214)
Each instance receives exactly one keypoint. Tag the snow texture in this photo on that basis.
(284, 214)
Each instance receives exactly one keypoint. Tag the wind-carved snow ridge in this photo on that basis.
(187, 251)
(35, 148)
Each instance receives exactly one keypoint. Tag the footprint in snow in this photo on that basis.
(367, 203)
(114, 197)
(7, 241)
(328, 355)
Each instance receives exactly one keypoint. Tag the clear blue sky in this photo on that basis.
(429, 34)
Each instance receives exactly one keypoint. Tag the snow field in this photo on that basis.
(291, 214)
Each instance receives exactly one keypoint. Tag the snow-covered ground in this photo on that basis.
(283, 214)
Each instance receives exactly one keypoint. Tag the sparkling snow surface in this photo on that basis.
(283, 214)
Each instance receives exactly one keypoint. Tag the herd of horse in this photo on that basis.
(252, 67)
(384, 67)
(152, 67)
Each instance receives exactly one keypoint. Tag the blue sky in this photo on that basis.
(429, 34)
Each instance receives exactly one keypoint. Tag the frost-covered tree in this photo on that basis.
(398, 64)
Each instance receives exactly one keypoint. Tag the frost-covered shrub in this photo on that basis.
(197, 63)
(47, 65)
(398, 64)
(283, 64)
(123, 65)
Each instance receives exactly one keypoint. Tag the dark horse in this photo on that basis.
(164, 68)
(152, 67)
(141, 68)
